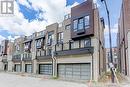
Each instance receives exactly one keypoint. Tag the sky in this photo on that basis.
(34, 15)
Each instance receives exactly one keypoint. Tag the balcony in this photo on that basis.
(4, 59)
(40, 34)
(72, 49)
(16, 58)
(27, 57)
(41, 54)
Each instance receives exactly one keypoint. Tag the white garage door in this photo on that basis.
(17, 67)
(45, 69)
(74, 71)
(28, 68)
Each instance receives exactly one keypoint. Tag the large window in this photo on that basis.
(60, 37)
(75, 25)
(86, 21)
(39, 43)
(81, 23)
(50, 38)
(27, 45)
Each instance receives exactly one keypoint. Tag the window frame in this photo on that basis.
(50, 38)
(86, 44)
(39, 43)
(85, 24)
(82, 23)
(60, 37)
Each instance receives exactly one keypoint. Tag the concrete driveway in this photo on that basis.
(12, 80)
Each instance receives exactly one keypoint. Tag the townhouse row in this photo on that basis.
(73, 49)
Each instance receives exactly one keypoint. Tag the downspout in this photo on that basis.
(124, 38)
(54, 65)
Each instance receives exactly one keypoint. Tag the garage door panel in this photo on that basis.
(69, 76)
(85, 77)
(28, 68)
(45, 69)
(76, 76)
(74, 71)
(17, 67)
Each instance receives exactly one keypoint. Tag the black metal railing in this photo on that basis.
(27, 56)
(66, 49)
(16, 57)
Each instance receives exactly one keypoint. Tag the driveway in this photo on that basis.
(12, 80)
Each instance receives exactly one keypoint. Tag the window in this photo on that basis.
(27, 45)
(75, 25)
(81, 23)
(50, 38)
(86, 19)
(17, 47)
(49, 52)
(67, 27)
(87, 42)
(60, 37)
(39, 43)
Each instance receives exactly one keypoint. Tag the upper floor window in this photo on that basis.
(86, 21)
(39, 43)
(60, 37)
(67, 27)
(87, 42)
(27, 45)
(75, 25)
(49, 51)
(17, 47)
(81, 23)
(50, 38)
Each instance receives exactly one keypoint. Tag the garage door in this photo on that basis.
(17, 67)
(74, 71)
(45, 69)
(28, 68)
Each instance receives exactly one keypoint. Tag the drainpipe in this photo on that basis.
(54, 65)
(92, 67)
(124, 39)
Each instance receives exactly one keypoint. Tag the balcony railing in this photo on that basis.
(42, 54)
(27, 57)
(40, 34)
(70, 48)
(16, 58)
